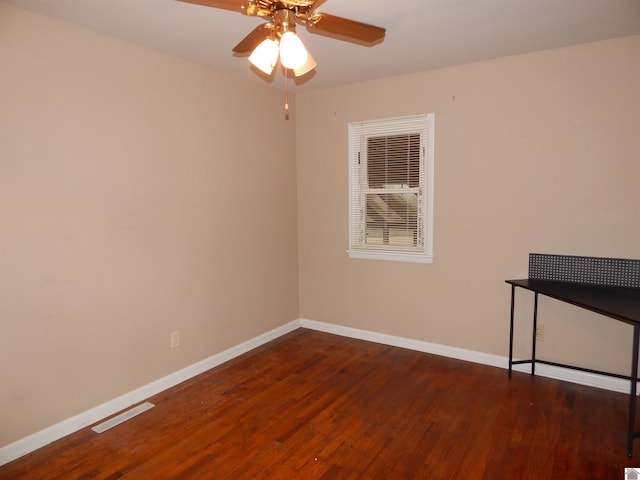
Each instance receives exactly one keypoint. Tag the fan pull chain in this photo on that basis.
(286, 95)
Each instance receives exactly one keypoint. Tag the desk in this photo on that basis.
(619, 303)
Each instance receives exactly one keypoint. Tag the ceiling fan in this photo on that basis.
(277, 37)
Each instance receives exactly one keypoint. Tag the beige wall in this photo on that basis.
(139, 194)
(533, 153)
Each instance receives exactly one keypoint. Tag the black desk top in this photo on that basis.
(621, 303)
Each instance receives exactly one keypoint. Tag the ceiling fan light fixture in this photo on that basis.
(277, 38)
(265, 56)
(292, 52)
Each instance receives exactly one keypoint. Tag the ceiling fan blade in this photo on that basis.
(349, 30)
(234, 5)
(251, 41)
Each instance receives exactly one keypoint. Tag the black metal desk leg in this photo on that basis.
(513, 296)
(533, 335)
(634, 388)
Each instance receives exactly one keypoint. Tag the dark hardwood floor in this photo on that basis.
(311, 405)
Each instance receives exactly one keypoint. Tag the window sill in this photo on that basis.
(391, 256)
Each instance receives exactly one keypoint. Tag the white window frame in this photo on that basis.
(358, 188)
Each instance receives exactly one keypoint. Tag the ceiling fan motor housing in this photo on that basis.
(267, 8)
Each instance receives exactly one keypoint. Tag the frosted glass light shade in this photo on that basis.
(306, 67)
(292, 51)
(265, 56)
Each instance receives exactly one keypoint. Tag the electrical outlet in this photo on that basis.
(174, 339)
(540, 333)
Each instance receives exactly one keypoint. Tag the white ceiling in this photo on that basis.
(421, 34)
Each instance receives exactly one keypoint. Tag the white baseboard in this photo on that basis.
(559, 373)
(73, 424)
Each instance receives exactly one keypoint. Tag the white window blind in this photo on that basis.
(391, 188)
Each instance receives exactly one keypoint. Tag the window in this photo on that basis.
(391, 189)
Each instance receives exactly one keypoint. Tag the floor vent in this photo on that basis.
(123, 417)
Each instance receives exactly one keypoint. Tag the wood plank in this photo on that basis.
(312, 405)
